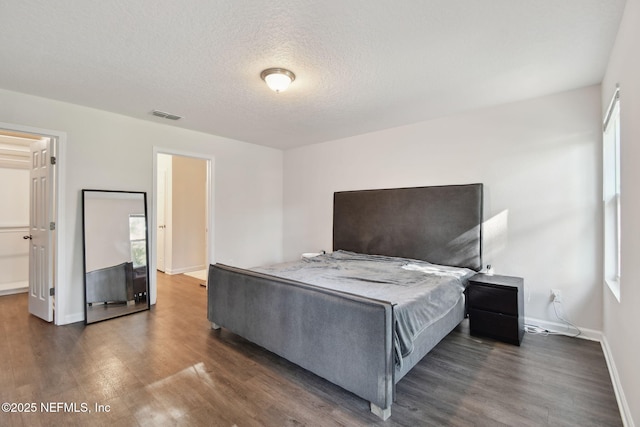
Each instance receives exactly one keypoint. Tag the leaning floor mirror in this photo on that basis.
(116, 252)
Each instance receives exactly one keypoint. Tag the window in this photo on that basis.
(611, 195)
(138, 239)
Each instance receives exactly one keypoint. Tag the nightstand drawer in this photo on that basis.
(495, 299)
(495, 325)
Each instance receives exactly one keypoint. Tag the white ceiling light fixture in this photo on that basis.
(278, 79)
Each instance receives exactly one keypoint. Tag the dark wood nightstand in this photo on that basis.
(495, 305)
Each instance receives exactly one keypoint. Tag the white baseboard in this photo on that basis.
(564, 329)
(14, 288)
(625, 412)
(72, 318)
(189, 269)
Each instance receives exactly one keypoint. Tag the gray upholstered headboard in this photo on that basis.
(441, 224)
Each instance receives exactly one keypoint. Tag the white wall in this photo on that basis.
(188, 220)
(622, 339)
(110, 151)
(107, 231)
(539, 161)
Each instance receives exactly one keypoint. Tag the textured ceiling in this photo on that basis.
(360, 66)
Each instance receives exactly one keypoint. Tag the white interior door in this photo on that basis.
(40, 230)
(161, 209)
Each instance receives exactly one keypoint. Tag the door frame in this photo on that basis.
(60, 274)
(161, 254)
(209, 203)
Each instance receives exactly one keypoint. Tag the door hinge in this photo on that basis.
(52, 226)
(52, 291)
(53, 160)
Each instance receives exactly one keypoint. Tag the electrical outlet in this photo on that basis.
(556, 295)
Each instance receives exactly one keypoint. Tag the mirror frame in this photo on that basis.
(84, 253)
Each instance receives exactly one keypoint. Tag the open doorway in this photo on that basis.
(182, 200)
(28, 187)
(14, 216)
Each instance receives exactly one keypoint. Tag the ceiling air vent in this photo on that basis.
(165, 115)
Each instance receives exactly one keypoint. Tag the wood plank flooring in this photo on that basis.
(167, 367)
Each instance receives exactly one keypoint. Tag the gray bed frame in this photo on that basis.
(344, 338)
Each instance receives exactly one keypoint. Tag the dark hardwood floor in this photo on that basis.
(167, 367)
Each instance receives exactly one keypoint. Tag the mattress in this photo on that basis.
(421, 293)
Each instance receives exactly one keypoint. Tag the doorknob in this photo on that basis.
(29, 237)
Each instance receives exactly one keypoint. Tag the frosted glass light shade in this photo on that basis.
(278, 79)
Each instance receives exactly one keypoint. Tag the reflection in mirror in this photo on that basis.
(115, 253)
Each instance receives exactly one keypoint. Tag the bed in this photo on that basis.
(337, 314)
(110, 284)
